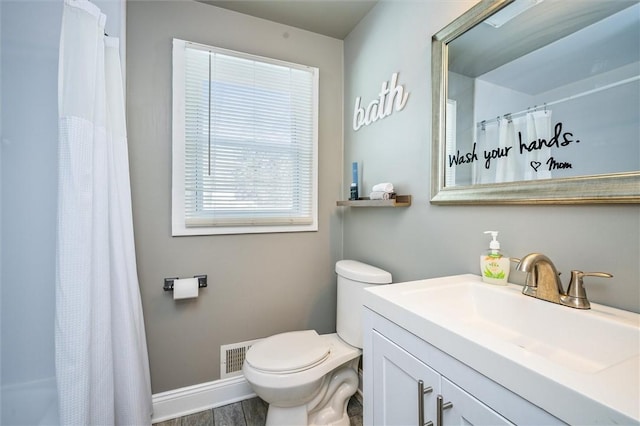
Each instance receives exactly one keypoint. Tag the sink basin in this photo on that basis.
(560, 334)
(582, 366)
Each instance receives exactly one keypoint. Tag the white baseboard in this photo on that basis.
(192, 399)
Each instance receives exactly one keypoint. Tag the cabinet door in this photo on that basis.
(395, 395)
(467, 410)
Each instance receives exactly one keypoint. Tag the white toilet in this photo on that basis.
(308, 378)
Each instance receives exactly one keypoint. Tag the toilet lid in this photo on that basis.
(288, 352)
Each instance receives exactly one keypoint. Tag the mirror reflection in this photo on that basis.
(544, 89)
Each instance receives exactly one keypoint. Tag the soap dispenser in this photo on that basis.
(494, 264)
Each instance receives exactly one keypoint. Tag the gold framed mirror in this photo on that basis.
(537, 101)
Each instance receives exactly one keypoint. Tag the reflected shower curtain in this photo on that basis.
(532, 127)
(518, 164)
(487, 140)
(102, 367)
(507, 168)
(539, 127)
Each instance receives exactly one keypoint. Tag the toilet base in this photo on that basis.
(298, 416)
(280, 416)
(328, 408)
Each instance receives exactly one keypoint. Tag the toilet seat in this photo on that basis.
(290, 352)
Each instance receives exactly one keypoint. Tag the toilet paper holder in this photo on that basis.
(168, 282)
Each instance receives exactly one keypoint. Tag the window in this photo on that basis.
(244, 143)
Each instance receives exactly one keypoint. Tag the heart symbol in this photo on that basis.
(535, 165)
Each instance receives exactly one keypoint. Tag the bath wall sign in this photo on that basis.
(391, 97)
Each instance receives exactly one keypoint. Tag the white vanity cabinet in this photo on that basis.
(464, 409)
(405, 385)
(395, 361)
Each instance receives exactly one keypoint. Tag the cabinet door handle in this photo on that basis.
(422, 391)
(440, 407)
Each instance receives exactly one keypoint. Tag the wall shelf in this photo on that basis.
(399, 201)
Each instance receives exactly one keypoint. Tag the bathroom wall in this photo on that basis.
(30, 36)
(427, 240)
(259, 284)
(30, 40)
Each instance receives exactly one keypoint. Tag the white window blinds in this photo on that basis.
(245, 142)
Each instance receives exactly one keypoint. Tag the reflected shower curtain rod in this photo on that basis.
(509, 116)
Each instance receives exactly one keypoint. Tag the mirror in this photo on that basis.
(537, 101)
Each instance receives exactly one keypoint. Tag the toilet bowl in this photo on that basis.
(299, 394)
(307, 378)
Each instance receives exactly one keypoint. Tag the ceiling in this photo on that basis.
(607, 45)
(333, 18)
(484, 48)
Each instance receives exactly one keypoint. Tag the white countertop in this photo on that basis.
(573, 389)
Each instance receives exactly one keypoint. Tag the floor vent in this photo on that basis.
(232, 358)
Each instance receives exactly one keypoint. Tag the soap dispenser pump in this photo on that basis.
(494, 264)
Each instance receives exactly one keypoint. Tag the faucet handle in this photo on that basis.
(576, 294)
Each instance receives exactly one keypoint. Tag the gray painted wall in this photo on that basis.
(259, 284)
(426, 240)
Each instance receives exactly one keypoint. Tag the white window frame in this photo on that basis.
(450, 144)
(179, 219)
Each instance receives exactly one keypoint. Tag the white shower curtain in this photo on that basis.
(102, 367)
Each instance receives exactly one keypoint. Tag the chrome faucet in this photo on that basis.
(543, 282)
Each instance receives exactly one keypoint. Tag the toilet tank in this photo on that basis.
(353, 278)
